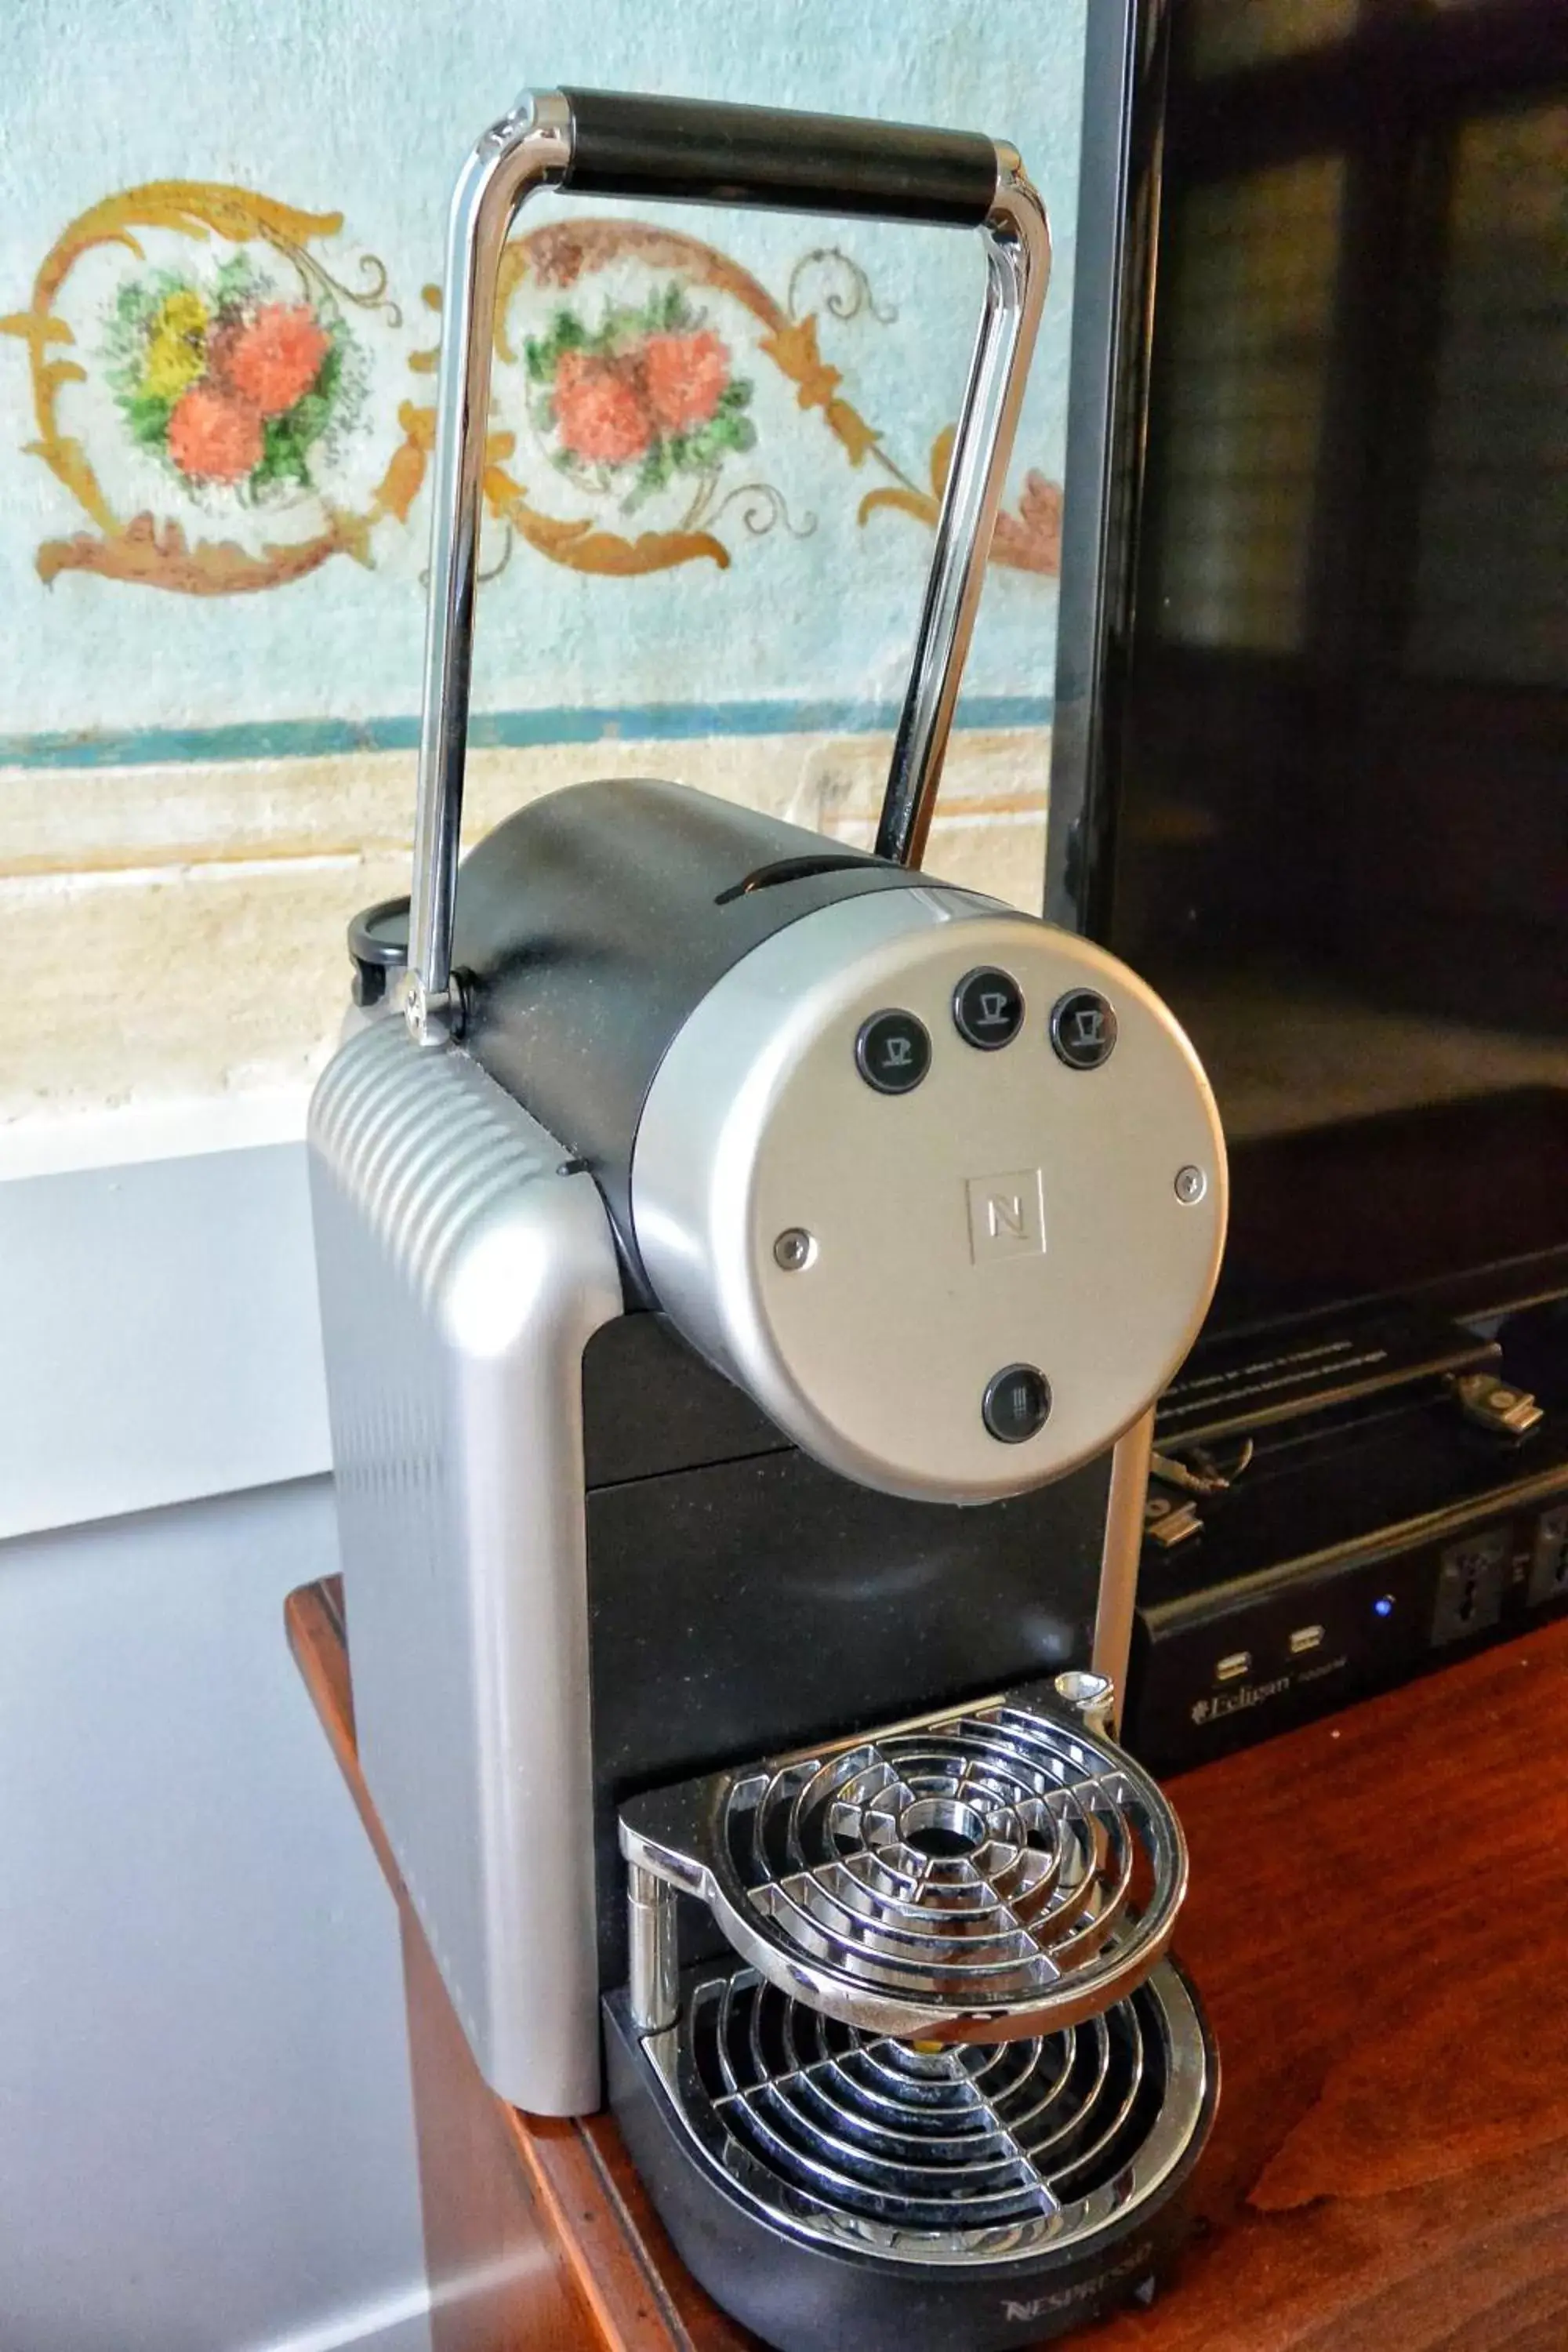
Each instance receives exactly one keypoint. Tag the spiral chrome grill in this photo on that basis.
(997, 1871)
(966, 2153)
(975, 1862)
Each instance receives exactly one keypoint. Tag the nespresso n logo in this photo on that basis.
(1006, 1215)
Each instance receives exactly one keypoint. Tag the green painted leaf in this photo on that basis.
(655, 470)
(148, 418)
(310, 418)
(725, 431)
(282, 455)
(236, 280)
(135, 301)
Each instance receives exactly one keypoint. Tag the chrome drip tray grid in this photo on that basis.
(963, 2154)
(1000, 1871)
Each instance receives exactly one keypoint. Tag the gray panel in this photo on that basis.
(197, 1271)
(461, 1276)
(206, 2139)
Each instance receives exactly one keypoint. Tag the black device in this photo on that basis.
(1314, 720)
(1312, 740)
(1338, 1504)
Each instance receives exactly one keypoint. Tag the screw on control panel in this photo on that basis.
(794, 1249)
(1191, 1186)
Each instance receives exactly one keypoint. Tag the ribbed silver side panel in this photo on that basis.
(461, 1275)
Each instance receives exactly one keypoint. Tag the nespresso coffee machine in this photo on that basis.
(747, 1268)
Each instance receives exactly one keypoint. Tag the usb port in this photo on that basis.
(1231, 1669)
(1305, 1638)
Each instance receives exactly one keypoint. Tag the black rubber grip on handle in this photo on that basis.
(693, 150)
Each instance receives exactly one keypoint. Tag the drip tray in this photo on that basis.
(969, 2154)
(831, 2186)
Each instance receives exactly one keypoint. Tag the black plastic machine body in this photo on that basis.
(747, 1269)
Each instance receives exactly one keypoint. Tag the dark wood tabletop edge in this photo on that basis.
(1367, 2187)
(609, 2189)
(598, 2244)
(561, 2168)
(314, 1627)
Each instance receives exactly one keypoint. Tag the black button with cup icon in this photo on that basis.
(892, 1052)
(1083, 1029)
(988, 1008)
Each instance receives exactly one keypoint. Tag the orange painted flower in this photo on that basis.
(213, 435)
(275, 357)
(685, 375)
(598, 410)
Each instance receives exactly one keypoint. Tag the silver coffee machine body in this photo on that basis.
(747, 1266)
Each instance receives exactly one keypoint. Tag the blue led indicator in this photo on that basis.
(1384, 1605)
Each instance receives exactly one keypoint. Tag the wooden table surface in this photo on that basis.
(1378, 1926)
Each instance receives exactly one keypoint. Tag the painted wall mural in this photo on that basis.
(716, 446)
(177, 393)
(221, 232)
(198, 369)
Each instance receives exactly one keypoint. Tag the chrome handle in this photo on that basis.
(1017, 269)
(533, 147)
(530, 148)
(697, 151)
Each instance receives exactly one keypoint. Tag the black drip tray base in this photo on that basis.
(839, 2191)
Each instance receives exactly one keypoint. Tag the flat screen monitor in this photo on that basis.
(1333, 764)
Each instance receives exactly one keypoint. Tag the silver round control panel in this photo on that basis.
(908, 1174)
